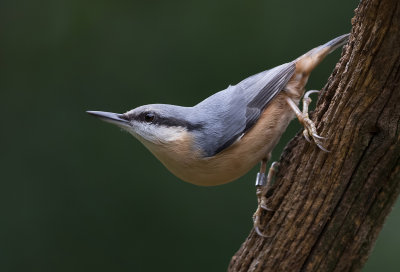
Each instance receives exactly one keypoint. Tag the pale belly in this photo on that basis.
(236, 160)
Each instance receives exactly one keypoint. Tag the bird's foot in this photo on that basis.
(262, 206)
(257, 222)
(263, 186)
(310, 130)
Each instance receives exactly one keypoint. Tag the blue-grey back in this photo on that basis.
(228, 114)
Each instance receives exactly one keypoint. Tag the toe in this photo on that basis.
(317, 136)
(265, 207)
(321, 147)
(305, 134)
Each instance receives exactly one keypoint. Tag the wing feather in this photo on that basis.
(234, 111)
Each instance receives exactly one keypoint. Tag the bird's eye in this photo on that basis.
(149, 117)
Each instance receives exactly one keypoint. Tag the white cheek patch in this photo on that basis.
(155, 133)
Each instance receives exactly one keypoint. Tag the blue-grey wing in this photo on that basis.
(230, 113)
(271, 84)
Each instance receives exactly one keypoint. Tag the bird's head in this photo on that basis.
(158, 124)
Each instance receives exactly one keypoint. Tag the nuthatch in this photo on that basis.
(224, 136)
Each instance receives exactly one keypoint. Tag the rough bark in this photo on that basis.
(330, 207)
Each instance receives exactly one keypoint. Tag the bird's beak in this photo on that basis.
(110, 117)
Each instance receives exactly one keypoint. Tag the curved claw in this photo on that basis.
(257, 229)
(307, 94)
(265, 207)
(305, 134)
(275, 165)
(259, 232)
(256, 221)
(317, 136)
(321, 147)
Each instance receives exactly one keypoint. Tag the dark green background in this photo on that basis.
(76, 194)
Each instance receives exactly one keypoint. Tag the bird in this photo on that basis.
(224, 136)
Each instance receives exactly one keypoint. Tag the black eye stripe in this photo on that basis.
(163, 121)
(175, 122)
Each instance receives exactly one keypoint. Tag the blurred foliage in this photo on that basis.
(77, 194)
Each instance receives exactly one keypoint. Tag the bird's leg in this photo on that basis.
(261, 181)
(263, 186)
(310, 130)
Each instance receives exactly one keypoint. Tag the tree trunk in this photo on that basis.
(330, 207)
